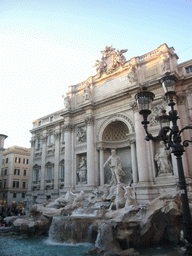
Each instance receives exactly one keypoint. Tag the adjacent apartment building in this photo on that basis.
(14, 175)
(69, 148)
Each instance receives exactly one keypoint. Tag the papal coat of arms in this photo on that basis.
(110, 61)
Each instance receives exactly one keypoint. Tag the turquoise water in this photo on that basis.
(39, 247)
(44, 247)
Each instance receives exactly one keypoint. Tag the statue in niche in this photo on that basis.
(162, 159)
(115, 166)
(82, 171)
(87, 92)
(81, 134)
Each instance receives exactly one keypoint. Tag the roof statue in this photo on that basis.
(111, 60)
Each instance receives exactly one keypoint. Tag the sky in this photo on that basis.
(48, 45)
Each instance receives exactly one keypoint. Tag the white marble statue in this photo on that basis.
(129, 196)
(82, 171)
(115, 166)
(87, 92)
(162, 160)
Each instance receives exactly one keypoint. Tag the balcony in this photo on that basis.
(49, 184)
(35, 185)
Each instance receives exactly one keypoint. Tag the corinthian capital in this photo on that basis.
(134, 106)
(89, 120)
(69, 127)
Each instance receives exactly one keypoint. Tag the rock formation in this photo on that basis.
(112, 229)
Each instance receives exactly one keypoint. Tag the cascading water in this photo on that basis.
(73, 229)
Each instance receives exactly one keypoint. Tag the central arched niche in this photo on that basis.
(115, 136)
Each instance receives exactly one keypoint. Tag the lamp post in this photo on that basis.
(172, 139)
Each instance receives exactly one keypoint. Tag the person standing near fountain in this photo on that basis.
(115, 166)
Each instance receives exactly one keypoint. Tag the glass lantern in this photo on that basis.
(168, 84)
(144, 100)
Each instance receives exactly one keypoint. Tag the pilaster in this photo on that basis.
(90, 150)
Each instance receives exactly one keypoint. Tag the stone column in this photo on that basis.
(134, 161)
(31, 164)
(68, 156)
(141, 149)
(186, 135)
(101, 153)
(90, 151)
(44, 149)
(56, 166)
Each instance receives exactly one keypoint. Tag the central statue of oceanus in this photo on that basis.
(115, 166)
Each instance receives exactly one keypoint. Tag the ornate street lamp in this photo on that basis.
(172, 139)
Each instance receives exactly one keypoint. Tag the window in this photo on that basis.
(23, 195)
(5, 171)
(62, 170)
(51, 139)
(2, 161)
(17, 160)
(24, 185)
(7, 160)
(189, 69)
(51, 118)
(14, 195)
(39, 123)
(0, 184)
(23, 160)
(63, 136)
(24, 172)
(15, 184)
(16, 171)
(38, 143)
(1, 172)
(27, 162)
(36, 175)
(5, 183)
(49, 173)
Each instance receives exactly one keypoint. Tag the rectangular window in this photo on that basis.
(27, 162)
(36, 175)
(51, 118)
(16, 171)
(23, 160)
(5, 171)
(0, 184)
(24, 185)
(62, 171)
(49, 173)
(1, 172)
(15, 184)
(23, 195)
(39, 123)
(38, 143)
(17, 160)
(51, 139)
(24, 172)
(189, 69)
(14, 195)
(5, 183)
(7, 160)
(2, 161)
(63, 136)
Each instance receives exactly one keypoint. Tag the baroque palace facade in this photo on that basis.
(71, 148)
